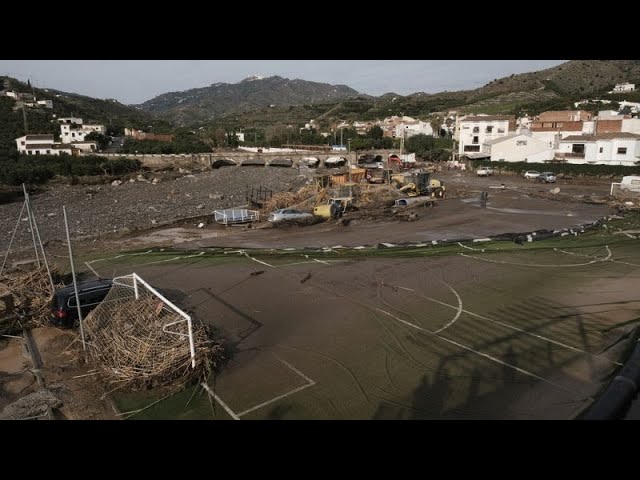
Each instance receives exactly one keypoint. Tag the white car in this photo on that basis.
(485, 171)
(283, 214)
(531, 174)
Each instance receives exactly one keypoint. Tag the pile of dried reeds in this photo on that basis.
(289, 199)
(32, 292)
(127, 337)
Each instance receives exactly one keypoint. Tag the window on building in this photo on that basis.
(476, 129)
(578, 148)
(600, 151)
(22, 143)
(37, 152)
(48, 152)
(73, 134)
(475, 140)
(489, 128)
(500, 130)
(472, 148)
(520, 143)
(622, 150)
(465, 127)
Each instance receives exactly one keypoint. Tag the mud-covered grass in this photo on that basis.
(529, 331)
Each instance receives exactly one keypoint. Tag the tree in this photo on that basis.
(102, 141)
(420, 144)
(436, 122)
(375, 132)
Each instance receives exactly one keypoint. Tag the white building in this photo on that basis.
(85, 147)
(473, 131)
(409, 129)
(609, 115)
(630, 125)
(518, 148)
(45, 103)
(40, 145)
(624, 87)
(621, 148)
(72, 129)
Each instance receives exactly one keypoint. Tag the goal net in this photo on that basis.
(140, 338)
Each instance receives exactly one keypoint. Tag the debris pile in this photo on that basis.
(31, 293)
(141, 343)
(289, 199)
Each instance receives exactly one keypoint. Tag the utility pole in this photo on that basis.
(24, 116)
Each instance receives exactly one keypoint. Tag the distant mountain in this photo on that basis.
(201, 105)
(554, 88)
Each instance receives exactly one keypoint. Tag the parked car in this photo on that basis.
(531, 174)
(64, 309)
(547, 177)
(485, 171)
(288, 214)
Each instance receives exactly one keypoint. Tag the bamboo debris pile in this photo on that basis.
(289, 199)
(131, 341)
(32, 292)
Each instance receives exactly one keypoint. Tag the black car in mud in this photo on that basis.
(64, 309)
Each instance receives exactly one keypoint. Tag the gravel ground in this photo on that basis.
(99, 210)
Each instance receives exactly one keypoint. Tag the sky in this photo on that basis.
(135, 81)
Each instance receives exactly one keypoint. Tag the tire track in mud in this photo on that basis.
(337, 362)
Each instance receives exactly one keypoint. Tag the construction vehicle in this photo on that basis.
(418, 183)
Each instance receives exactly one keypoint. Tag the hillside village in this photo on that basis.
(574, 136)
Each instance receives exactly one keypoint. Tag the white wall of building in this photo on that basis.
(86, 147)
(617, 151)
(70, 135)
(68, 120)
(624, 87)
(88, 128)
(631, 125)
(548, 138)
(409, 130)
(520, 148)
(481, 132)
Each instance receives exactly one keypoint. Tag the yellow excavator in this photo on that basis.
(418, 183)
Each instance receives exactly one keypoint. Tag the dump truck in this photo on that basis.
(418, 183)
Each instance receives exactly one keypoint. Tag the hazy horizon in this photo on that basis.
(136, 81)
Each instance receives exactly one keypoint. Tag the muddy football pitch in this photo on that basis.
(464, 331)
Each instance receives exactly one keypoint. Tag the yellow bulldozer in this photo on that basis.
(418, 183)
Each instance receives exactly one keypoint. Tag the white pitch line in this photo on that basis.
(294, 369)
(170, 259)
(91, 268)
(607, 258)
(408, 289)
(626, 263)
(219, 400)
(256, 260)
(310, 383)
(595, 260)
(320, 261)
(474, 249)
(279, 397)
(120, 256)
(497, 322)
(485, 355)
(457, 313)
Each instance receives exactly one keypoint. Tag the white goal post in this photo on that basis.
(135, 281)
